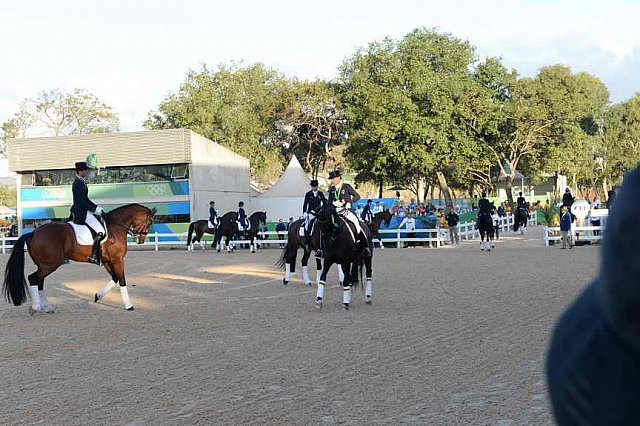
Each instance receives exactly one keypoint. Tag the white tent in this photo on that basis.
(285, 198)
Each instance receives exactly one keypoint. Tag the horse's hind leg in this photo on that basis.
(318, 269)
(39, 302)
(346, 287)
(368, 289)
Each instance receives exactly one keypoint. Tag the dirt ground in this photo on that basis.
(454, 336)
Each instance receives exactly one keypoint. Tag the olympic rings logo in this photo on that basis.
(157, 189)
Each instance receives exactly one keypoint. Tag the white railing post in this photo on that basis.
(156, 240)
(4, 245)
(398, 243)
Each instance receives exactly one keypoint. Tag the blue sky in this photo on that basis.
(133, 53)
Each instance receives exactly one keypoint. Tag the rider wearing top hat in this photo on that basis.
(81, 205)
(313, 201)
(342, 195)
(213, 214)
(367, 213)
(484, 208)
(242, 216)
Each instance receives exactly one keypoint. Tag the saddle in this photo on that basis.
(214, 224)
(242, 227)
(84, 236)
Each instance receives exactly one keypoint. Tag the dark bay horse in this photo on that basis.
(487, 230)
(229, 228)
(290, 252)
(378, 218)
(520, 218)
(52, 243)
(344, 251)
(201, 227)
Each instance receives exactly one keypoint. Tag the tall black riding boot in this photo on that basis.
(95, 250)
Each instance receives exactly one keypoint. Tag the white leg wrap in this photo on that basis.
(318, 275)
(106, 289)
(346, 295)
(125, 297)
(368, 288)
(305, 274)
(320, 291)
(35, 297)
(340, 273)
(287, 271)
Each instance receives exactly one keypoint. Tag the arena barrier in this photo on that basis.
(579, 233)
(434, 237)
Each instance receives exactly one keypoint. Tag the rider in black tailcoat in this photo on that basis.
(484, 208)
(82, 204)
(242, 216)
(213, 214)
(343, 195)
(313, 201)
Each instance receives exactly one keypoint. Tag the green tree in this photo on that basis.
(8, 196)
(236, 106)
(57, 113)
(405, 102)
(312, 122)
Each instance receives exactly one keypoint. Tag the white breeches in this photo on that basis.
(351, 217)
(94, 223)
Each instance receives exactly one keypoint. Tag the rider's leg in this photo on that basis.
(97, 232)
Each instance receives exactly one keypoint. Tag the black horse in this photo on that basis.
(201, 227)
(486, 228)
(520, 218)
(342, 249)
(229, 228)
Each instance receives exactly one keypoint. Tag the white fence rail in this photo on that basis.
(578, 233)
(435, 237)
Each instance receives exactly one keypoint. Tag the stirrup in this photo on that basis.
(93, 259)
(319, 254)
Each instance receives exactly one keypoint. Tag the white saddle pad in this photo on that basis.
(240, 225)
(83, 235)
(210, 225)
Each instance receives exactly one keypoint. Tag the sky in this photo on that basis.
(132, 54)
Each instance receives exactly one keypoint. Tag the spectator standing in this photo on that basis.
(501, 210)
(409, 223)
(452, 221)
(377, 208)
(280, 229)
(567, 198)
(611, 196)
(565, 228)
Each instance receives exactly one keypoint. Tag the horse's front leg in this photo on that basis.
(321, 282)
(305, 268)
(368, 290)
(346, 285)
(118, 277)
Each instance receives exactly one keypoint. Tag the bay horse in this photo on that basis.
(290, 252)
(378, 218)
(50, 244)
(201, 227)
(230, 228)
(520, 218)
(343, 250)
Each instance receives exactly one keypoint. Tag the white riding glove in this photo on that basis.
(337, 204)
(99, 210)
(347, 206)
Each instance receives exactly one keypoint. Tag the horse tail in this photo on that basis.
(288, 253)
(191, 226)
(516, 222)
(15, 285)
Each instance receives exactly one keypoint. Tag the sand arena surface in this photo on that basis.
(454, 336)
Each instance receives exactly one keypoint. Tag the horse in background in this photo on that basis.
(520, 218)
(341, 249)
(486, 229)
(201, 227)
(52, 243)
(230, 228)
(378, 218)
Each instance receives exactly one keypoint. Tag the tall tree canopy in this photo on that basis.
(58, 113)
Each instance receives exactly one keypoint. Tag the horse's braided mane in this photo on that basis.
(117, 210)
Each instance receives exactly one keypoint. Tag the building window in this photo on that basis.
(122, 174)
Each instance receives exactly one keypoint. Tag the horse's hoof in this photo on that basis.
(367, 300)
(345, 306)
(285, 282)
(130, 308)
(217, 251)
(95, 298)
(33, 311)
(49, 309)
(308, 283)
(319, 302)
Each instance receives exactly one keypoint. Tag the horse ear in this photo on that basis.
(154, 211)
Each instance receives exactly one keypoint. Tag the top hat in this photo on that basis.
(335, 173)
(81, 165)
(314, 182)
